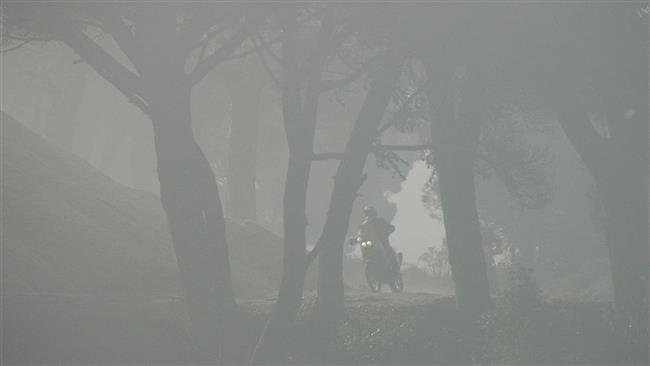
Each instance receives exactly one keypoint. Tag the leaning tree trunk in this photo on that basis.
(347, 182)
(457, 107)
(619, 161)
(242, 160)
(190, 198)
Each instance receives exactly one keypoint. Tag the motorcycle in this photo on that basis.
(380, 266)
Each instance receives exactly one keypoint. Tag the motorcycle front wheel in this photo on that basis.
(373, 283)
(397, 285)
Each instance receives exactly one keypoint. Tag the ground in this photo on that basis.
(96, 329)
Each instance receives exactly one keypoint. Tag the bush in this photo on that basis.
(525, 328)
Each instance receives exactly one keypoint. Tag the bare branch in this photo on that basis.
(396, 169)
(23, 41)
(12, 48)
(389, 159)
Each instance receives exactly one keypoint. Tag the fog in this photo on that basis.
(415, 182)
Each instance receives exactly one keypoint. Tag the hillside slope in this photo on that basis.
(68, 228)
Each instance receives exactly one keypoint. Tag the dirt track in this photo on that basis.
(119, 329)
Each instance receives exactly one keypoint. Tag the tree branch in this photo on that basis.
(341, 156)
(402, 147)
(12, 48)
(328, 156)
(24, 41)
(326, 85)
(396, 169)
(313, 253)
(106, 66)
(274, 79)
(206, 65)
(205, 40)
(111, 23)
(254, 49)
(198, 28)
(267, 46)
(592, 148)
(402, 107)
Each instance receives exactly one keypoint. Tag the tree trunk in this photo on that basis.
(454, 130)
(189, 196)
(299, 115)
(272, 346)
(347, 182)
(243, 151)
(626, 232)
(619, 165)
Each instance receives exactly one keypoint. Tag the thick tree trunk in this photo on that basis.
(272, 346)
(619, 165)
(347, 182)
(627, 238)
(189, 195)
(243, 151)
(457, 107)
(299, 124)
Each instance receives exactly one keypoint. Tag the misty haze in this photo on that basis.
(291, 183)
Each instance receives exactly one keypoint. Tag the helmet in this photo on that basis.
(369, 211)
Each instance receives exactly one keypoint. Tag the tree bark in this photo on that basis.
(188, 189)
(457, 108)
(243, 151)
(190, 198)
(619, 166)
(347, 182)
(299, 112)
(272, 346)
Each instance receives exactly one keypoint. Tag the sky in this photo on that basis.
(415, 230)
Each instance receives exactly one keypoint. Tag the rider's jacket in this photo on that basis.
(376, 229)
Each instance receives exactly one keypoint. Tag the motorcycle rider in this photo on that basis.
(379, 229)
